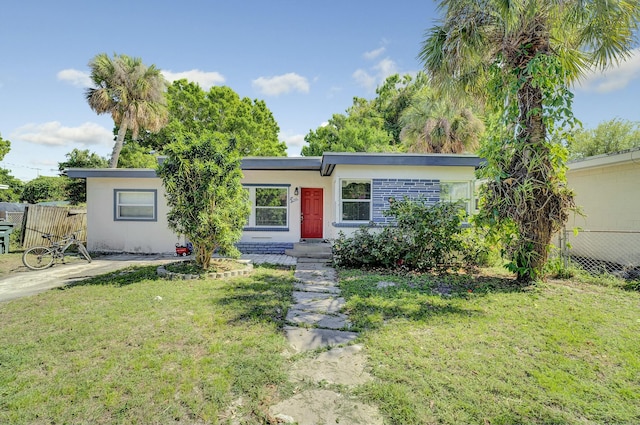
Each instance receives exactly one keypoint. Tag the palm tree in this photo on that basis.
(131, 92)
(528, 52)
(432, 123)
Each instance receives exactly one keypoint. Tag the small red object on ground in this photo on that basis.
(182, 250)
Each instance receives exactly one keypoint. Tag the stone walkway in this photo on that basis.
(315, 321)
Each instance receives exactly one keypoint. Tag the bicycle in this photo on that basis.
(41, 257)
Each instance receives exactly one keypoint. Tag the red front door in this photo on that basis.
(311, 219)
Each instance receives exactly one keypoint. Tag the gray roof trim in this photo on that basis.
(110, 172)
(324, 164)
(281, 163)
(331, 159)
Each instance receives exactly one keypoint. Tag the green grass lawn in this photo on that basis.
(490, 353)
(130, 348)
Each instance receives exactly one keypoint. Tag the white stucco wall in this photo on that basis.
(108, 235)
(606, 189)
(608, 195)
(299, 179)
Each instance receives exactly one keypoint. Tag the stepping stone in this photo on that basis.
(325, 303)
(340, 365)
(326, 407)
(325, 282)
(301, 339)
(316, 287)
(315, 319)
(314, 276)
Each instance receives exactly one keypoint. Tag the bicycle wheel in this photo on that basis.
(82, 250)
(38, 257)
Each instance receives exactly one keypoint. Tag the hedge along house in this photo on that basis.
(293, 199)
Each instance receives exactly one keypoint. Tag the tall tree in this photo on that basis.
(43, 189)
(77, 188)
(12, 193)
(394, 96)
(370, 125)
(131, 92)
(433, 123)
(609, 136)
(193, 110)
(522, 55)
(5, 147)
(362, 130)
(202, 178)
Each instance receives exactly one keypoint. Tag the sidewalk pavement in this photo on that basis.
(27, 282)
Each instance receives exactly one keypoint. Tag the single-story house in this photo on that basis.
(607, 191)
(318, 197)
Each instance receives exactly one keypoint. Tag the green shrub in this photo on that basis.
(423, 237)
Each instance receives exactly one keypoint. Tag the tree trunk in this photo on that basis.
(532, 168)
(117, 147)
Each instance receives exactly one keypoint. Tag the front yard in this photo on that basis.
(488, 353)
(132, 348)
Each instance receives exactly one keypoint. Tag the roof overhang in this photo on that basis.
(331, 159)
(324, 164)
(126, 173)
(631, 155)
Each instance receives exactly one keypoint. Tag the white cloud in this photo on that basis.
(385, 68)
(75, 77)
(364, 79)
(371, 55)
(294, 142)
(206, 80)
(376, 74)
(280, 84)
(54, 134)
(614, 78)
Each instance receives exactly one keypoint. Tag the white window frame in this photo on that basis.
(117, 216)
(341, 200)
(251, 222)
(468, 201)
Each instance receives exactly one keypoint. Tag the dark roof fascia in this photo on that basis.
(325, 164)
(126, 173)
(330, 160)
(282, 163)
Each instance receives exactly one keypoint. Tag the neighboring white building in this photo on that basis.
(318, 198)
(607, 189)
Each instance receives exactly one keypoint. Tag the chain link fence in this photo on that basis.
(602, 251)
(14, 217)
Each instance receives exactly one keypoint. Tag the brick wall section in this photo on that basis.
(383, 189)
(263, 247)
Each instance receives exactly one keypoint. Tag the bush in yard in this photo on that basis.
(424, 237)
(208, 204)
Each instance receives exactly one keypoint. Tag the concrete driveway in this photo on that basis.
(25, 283)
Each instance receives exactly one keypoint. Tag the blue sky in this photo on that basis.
(306, 60)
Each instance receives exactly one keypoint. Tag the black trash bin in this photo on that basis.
(6, 229)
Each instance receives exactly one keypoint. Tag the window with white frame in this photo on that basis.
(135, 205)
(269, 206)
(355, 200)
(452, 191)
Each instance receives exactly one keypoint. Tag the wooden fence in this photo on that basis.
(58, 221)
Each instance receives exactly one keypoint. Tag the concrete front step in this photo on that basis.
(319, 250)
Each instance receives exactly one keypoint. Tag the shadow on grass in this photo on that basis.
(375, 297)
(122, 277)
(264, 296)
